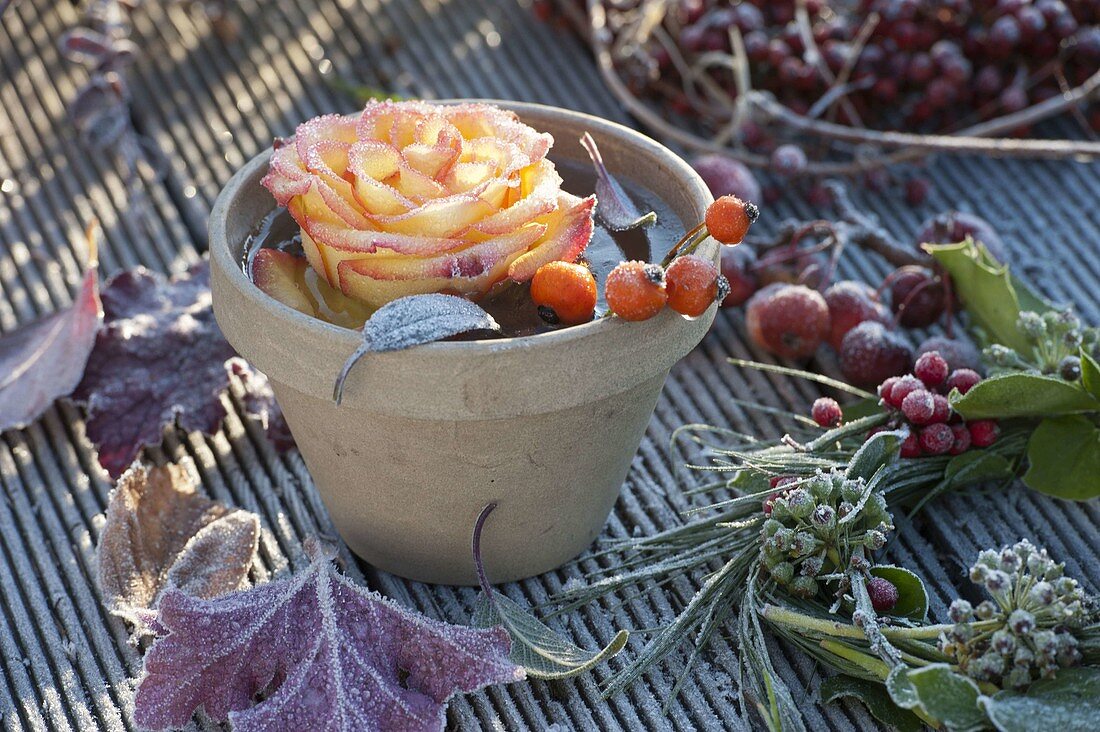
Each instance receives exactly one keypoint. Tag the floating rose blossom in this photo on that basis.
(411, 198)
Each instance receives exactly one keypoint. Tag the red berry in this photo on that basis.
(883, 594)
(942, 410)
(885, 387)
(961, 442)
(728, 219)
(918, 406)
(691, 283)
(902, 388)
(850, 303)
(936, 439)
(983, 432)
(962, 379)
(917, 296)
(737, 269)
(725, 176)
(787, 320)
(931, 368)
(916, 191)
(910, 447)
(826, 412)
(870, 354)
(635, 290)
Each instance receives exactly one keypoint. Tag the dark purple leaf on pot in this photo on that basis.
(85, 46)
(159, 360)
(44, 360)
(614, 207)
(320, 647)
(93, 100)
(413, 321)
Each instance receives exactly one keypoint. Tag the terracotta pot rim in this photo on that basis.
(225, 259)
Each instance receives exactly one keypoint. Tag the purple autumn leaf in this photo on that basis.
(43, 361)
(159, 360)
(327, 654)
(614, 207)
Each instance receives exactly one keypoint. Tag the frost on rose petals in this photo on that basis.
(161, 532)
(159, 359)
(324, 653)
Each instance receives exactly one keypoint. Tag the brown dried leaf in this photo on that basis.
(161, 532)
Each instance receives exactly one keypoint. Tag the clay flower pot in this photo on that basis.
(546, 426)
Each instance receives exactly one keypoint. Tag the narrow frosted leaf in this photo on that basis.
(614, 207)
(161, 531)
(539, 650)
(44, 360)
(159, 360)
(413, 321)
(874, 697)
(326, 653)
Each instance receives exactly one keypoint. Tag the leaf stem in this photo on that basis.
(475, 548)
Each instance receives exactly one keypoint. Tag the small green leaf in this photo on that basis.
(1064, 457)
(940, 693)
(912, 596)
(1090, 374)
(1070, 702)
(540, 651)
(992, 297)
(977, 466)
(901, 692)
(879, 450)
(874, 697)
(1022, 395)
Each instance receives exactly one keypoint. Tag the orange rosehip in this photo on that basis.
(636, 290)
(692, 285)
(567, 289)
(728, 219)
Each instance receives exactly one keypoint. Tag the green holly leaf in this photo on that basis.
(992, 296)
(879, 450)
(1064, 457)
(912, 596)
(1022, 395)
(874, 697)
(1070, 702)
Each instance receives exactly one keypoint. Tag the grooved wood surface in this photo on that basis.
(208, 106)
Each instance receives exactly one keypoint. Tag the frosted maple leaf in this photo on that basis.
(312, 651)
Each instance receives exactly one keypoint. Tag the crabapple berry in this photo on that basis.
(962, 379)
(691, 283)
(788, 320)
(884, 388)
(850, 303)
(788, 160)
(736, 268)
(636, 290)
(826, 412)
(952, 227)
(917, 296)
(936, 439)
(728, 219)
(566, 288)
(983, 432)
(959, 354)
(918, 406)
(725, 176)
(870, 354)
(931, 368)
